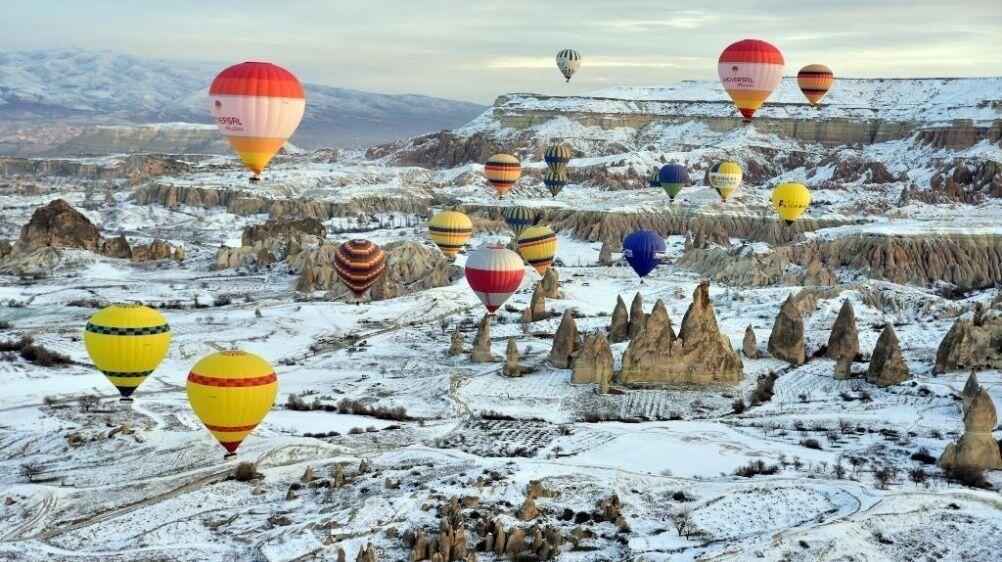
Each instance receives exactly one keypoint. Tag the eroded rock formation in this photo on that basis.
(843, 342)
(594, 363)
(887, 366)
(481, 352)
(786, 342)
(537, 306)
(976, 447)
(970, 346)
(58, 224)
(637, 316)
(619, 328)
(748, 345)
(511, 366)
(551, 284)
(700, 354)
(566, 342)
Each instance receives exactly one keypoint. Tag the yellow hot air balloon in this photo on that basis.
(450, 230)
(791, 200)
(127, 342)
(231, 392)
(725, 177)
(537, 245)
(502, 171)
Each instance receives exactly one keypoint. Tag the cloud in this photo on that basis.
(592, 62)
(685, 19)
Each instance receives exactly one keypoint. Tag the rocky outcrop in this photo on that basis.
(511, 366)
(887, 366)
(700, 354)
(976, 447)
(136, 169)
(551, 284)
(594, 363)
(158, 249)
(413, 267)
(566, 342)
(786, 342)
(58, 224)
(637, 316)
(748, 345)
(481, 352)
(619, 328)
(970, 346)
(117, 247)
(843, 342)
(456, 343)
(283, 228)
(971, 388)
(605, 255)
(703, 235)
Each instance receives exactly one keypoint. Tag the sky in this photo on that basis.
(477, 50)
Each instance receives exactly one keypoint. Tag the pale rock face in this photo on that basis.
(887, 366)
(566, 342)
(619, 329)
(970, 346)
(971, 388)
(748, 345)
(700, 354)
(976, 447)
(786, 342)
(117, 248)
(158, 249)
(481, 352)
(594, 363)
(456, 344)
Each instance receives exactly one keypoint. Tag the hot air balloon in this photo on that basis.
(555, 180)
(725, 177)
(641, 251)
(257, 106)
(359, 263)
(791, 200)
(126, 342)
(494, 273)
(231, 392)
(815, 80)
(502, 171)
(519, 218)
(557, 156)
(672, 178)
(449, 230)
(750, 70)
(538, 244)
(568, 61)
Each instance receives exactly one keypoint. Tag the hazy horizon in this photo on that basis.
(474, 52)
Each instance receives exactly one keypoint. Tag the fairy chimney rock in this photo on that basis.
(537, 306)
(844, 339)
(619, 329)
(970, 390)
(970, 345)
(976, 447)
(637, 316)
(565, 342)
(887, 366)
(456, 346)
(511, 366)
(481, 352)
(551, 283)
(786, 342)
(748, 345)
(594, 363)
(605, 255)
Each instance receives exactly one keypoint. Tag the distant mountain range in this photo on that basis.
(49, 97)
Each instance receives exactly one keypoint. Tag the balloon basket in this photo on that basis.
(254, 179)
(229, 456)
(788, 223)
(126, 400)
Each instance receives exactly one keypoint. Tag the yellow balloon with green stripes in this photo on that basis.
(231, 392)
(126, 342)
(538, 245)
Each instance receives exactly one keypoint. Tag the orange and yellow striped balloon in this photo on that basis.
(257, 106)
(231, 392)
(538, 245)
(750, 70)
(127, 342)
(359, 263)
(449, 230)
(502, 171)
(815, 80)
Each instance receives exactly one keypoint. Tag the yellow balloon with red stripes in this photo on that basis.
(538, 245)
(231, 392)
(502, 171)
(126, 342)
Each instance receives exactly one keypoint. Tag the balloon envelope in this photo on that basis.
(568, 61)
(641, 251)
(450, 230)
(555, 180)
(257, 107)
(538, 244)
(791, 200)
(231, 392)
(494, 273)
(359, 263)
(557, 156)
(502, 171)
(815, 80)
(519, 218)
(672, 178)
(127, 342)
(725, 177)
(750, 70)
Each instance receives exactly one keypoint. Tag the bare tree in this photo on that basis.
(31, 469)
(682, 519)
(87, 402)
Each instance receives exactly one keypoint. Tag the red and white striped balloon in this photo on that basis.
(494, 273)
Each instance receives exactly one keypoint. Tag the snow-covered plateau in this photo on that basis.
(382, 440)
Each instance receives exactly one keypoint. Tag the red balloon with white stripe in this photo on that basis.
(494, 273)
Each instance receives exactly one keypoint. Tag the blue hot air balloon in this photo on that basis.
(673, 177)
(641, 250)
